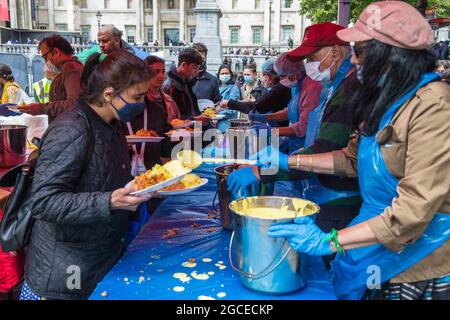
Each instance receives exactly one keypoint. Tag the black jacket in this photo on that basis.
(82, 160)
(181, 92)
(271, 101)
(157, 121)
(207, 87)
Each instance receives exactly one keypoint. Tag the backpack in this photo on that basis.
(17, 221)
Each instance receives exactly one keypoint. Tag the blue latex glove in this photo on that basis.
(271, 157)
(259, 127)
(304, 236)
(241, 179)
(256, 116)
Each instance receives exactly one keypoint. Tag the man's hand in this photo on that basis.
(223, 104)
(33, 108)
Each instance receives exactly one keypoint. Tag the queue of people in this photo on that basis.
(362, 109)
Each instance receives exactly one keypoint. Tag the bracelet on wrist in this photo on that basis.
(333, 237)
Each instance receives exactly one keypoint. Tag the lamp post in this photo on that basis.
(270, 20)
(98, 15)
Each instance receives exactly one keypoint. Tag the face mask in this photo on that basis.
(265, 82)
(288, 83)
(248, 79)
(359, 73)
(130, 110)
(312, 70)
(224, 78)
(50, 66)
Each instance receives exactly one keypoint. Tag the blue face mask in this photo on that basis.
(248, 79)
(130, 110)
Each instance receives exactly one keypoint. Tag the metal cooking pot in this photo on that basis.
(240, 123)
(225, 196)
(266, 264)
(243, 142)
(13, 142)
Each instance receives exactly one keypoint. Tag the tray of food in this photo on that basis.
(188, 183)
(159, 177)
(180, 124)
(186, 132)
(144, 136)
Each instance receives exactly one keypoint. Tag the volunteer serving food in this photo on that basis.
(402, 161)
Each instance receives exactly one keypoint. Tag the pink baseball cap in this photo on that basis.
(396, 23)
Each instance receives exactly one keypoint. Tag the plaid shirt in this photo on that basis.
(334, 134)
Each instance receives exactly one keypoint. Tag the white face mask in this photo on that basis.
(51, 67)
(288, 83)
(312, 70)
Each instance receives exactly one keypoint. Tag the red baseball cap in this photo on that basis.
(316, 37)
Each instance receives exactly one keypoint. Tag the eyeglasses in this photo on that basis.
(45, 55)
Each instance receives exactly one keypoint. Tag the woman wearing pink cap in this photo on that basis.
(398, 246)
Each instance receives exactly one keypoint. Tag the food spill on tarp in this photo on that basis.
(171, 233)
(188, 264)
(183, 277)
(199, 276)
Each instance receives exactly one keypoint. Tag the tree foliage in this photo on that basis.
(327, 10)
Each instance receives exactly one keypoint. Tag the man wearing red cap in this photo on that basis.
(329, 127)
(330, 123)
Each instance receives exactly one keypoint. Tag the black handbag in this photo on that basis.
(17, 221)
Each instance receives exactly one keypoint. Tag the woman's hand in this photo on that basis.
(271, 157)
(122, 200)
(242, 178)
(304, 236)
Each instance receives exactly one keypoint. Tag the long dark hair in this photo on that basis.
(401, 70)
(119, 70)
(6, 72)
(225, 66)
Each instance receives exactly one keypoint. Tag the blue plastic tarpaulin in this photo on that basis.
(147, 269)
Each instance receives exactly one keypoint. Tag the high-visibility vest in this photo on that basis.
(5, 97)
(42, 90)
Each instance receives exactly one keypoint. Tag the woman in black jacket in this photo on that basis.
(79, 202)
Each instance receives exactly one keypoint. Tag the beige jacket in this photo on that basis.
(416, 150)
